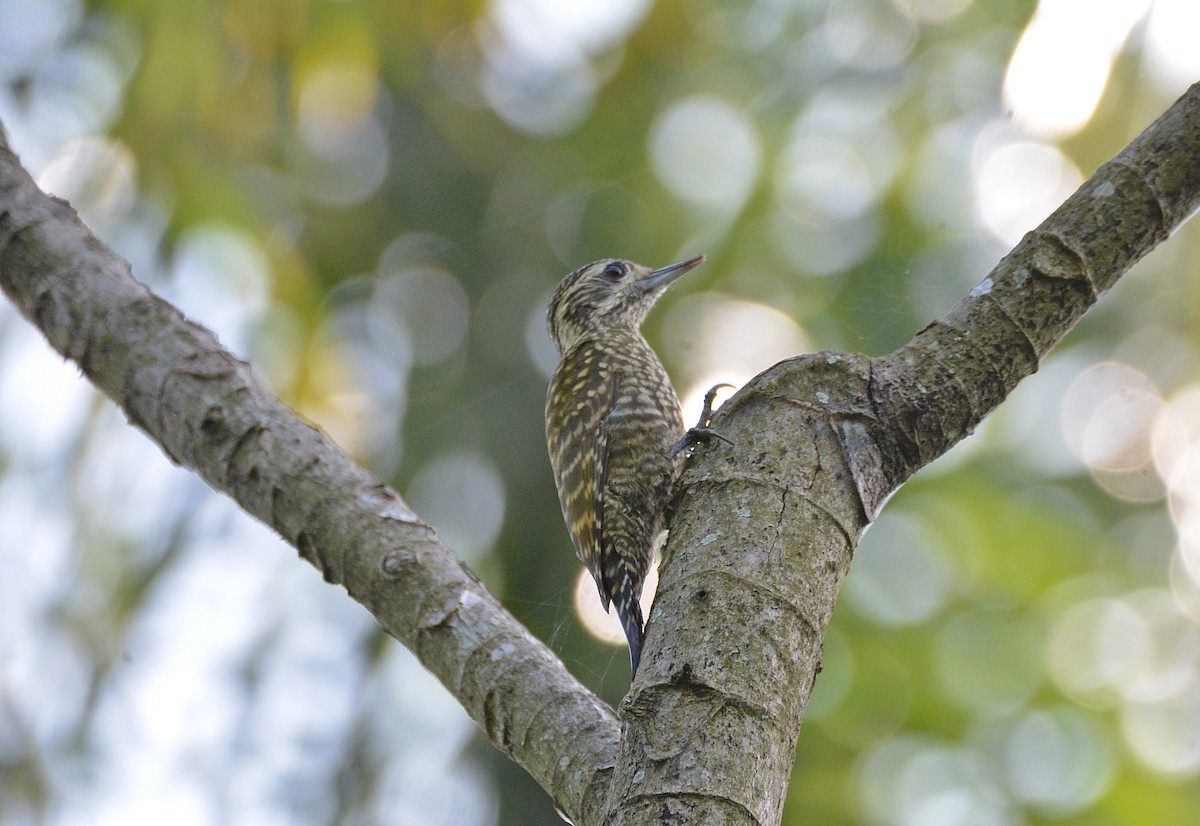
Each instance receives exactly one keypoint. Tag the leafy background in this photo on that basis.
(371, 201)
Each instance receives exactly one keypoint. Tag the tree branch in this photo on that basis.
(764, 531)
(936, 389)
(206, 410)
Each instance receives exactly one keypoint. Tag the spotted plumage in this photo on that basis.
(612, 418)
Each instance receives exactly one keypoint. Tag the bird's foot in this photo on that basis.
(701, 433)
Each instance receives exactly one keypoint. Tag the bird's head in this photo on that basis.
(606, 295)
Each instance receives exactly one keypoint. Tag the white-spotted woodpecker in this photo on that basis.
(613, 427)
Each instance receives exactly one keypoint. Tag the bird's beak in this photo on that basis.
(664, 276)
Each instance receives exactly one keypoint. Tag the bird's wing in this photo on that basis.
(600, 475)
(586, 389)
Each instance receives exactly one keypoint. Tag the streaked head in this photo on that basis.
(608, 294)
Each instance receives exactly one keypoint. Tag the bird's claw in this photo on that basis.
(696, 437)
(702, 433)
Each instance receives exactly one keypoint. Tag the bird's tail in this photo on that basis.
(627, 599)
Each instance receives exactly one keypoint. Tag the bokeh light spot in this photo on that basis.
(706, 152)
(869, 36)
(463, 494)
(31, 29)
(718, 338)
(606, 627)
(933, 10)
(1108, 418)
(1005, 679)
(533, 97)
(1058, 760)
(343, 154)
(819, 179)
(98, 176)
(220, 276)
(1171, 52)
(432, 307)
(1176, 446)
(54, 400)
(1017, 184)
(823, 249)
(1141, 648)
(901, 574)
(912, 780)
(1166, 736)
(536, 71)
(336, 100)
(554, 32)
(1062, 62)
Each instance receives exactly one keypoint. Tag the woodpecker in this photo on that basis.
(613, 427)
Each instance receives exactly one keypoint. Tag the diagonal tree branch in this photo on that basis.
(765, 531)
(937, 388)
(207, 411)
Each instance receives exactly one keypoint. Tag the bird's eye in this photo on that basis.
(615, 272)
